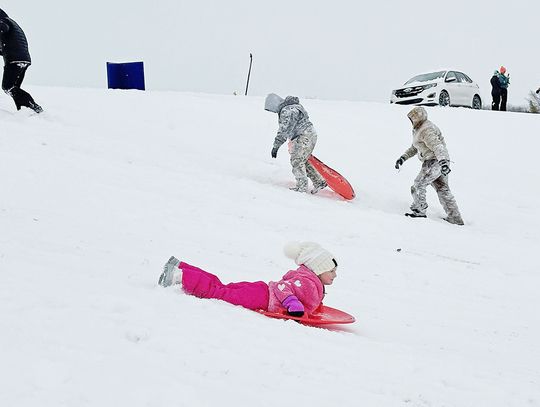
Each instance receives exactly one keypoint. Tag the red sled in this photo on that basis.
(336, 182)
(321, 316)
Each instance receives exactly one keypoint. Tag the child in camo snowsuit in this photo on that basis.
(294, 125)
(429, 144)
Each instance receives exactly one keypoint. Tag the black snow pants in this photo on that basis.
(496, 103)
(11, 84)
(504, 96)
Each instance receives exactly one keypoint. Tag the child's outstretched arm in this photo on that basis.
(409, 153)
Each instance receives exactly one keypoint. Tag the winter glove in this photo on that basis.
(400, 162)
(445, 167)
(294, 306)
(274, 152)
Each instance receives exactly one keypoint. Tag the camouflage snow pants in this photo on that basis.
(300, 149)
(430, 174)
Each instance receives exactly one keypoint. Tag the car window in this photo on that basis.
(451, 74)
(461, 78)
(426, 77)
(468, 79)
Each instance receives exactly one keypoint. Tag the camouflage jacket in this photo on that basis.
(428, 141)
(293, 121)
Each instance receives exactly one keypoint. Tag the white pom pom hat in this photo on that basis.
(311, 255)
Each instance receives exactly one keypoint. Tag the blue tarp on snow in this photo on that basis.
(127, 75)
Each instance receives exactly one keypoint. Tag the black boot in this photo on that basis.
(35, 107)
(415, 214)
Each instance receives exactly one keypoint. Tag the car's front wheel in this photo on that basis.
(444, 98)
(476, 102)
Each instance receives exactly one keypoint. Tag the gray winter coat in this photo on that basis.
(428, 141)
(293, 121)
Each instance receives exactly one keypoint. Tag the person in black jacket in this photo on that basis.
(14, 49)
(496, 90)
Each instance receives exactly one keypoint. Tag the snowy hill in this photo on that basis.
(98, 192)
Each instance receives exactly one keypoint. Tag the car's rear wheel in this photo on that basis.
(444, 98)
(476, 102)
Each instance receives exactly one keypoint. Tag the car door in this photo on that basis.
(467, 87)
(451, 84)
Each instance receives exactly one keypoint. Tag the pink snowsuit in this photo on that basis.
(302, 283)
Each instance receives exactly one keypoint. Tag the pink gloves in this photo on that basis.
(294, 306)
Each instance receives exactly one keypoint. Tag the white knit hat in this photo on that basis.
(311, 255)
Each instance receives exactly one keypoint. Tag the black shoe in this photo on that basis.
(36, 108)
(414, 214)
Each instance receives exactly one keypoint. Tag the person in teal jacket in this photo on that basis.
(504, 81)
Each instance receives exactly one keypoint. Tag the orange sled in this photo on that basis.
(336, 182)
(321, 316)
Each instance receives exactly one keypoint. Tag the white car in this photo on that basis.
(444, 88)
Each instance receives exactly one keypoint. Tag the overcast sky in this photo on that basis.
(348, 50)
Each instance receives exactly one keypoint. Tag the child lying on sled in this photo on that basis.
(299, 291)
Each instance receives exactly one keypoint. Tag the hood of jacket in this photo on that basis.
(272, 102)
(417, 116)
(3, 14)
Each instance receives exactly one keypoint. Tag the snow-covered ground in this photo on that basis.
(99, 191)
